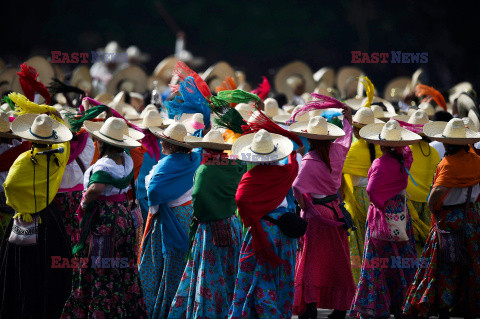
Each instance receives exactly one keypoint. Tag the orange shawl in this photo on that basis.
(459, 170)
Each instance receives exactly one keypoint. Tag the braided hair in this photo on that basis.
(451, 149)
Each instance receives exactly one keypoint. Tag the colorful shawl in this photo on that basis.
(422, 171)
(77, 145)
(459, 170)
(8, 157)
(260, 191)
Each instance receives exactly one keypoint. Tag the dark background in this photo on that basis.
(258, 36)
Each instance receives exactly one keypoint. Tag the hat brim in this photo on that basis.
(241, 149)
(8, 135)
(293, 68)
(158, 132)
(334, 132)
(94, 129)
(371, 133)
(134, 74)
(139, 123)
(199, 142)
(360, 125)
(434, 131)
(22, 124)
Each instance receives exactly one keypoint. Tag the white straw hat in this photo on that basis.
(379, 113)
(389, 134)
(271, 108)
(317, 128)
(175, 134)
(5, 126)
(149, 107)
(213, 140)
(152, 119)
(41, 128)
(419, 117)
(453, 132)
(473, 115)
(112, 132)
(245, 109)
(283, 118)
(262, 147)
(427, 107)
(364, 116)
(193, 122)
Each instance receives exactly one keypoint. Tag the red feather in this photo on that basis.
(263, 89)
(430, 93)
(183, 71)
(322, 102)
(28, 81)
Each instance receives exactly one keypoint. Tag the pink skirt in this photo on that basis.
(323, 273)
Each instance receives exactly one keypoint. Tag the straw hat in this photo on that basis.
(125, 109)
(5, 126)
(289, 75)
(262, 147)
(81, 78)
(193, 122)
(379, 113)
(283, 118)
(325, 76)
(453, 132)
(45, 71)
(271, 108)
(419, 117)
(164, 70)
(152, 119)
(130, 79)
(389, 134)
(245, 109)
(40, 128)
(364, 116)
(175, 134)
(396, 88)
(105, 98)
(427, 107)
(465, 102)
(149, 107)
(458, 89)
(133, 52)
(473, 115)
(346, 80)
(112, 131)
(213, 140)
(7, 76)
(217, 73)
(317, 128)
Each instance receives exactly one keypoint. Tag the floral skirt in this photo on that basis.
(6, 213)
(357, 238)
(323, 273)
(106, 283)
(440, 285)
(161, 271)
(68, 204)
(385, 276)
(262, 291)
(206, 288)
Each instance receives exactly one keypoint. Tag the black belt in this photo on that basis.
(324, 200)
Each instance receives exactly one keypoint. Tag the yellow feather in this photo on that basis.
(25, 106)
(369, 89)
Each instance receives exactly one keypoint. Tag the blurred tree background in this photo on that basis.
(257, 36)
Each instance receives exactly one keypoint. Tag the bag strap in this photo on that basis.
(80, 164)
(270, 219)
(467, 203)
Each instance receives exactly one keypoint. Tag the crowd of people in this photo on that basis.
(192, 195)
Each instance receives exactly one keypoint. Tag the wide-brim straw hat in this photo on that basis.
(125, 109)
(453, 132)
(216, 74)
(317, 128)
(389, 134)
(81, 78)
(262, 147)
(347, 80)
(7, 76)
(45, 71)
(175, 134)
(325, 76)
(245, 110)
(133, 75)
(474, 116)
(40, 128)
(283, 118)
(396, 88)
(296, 68)
(458, 89)
(164, 70)
(212, 140)
(152, 119)
(5, 126)
(112, 132)
(364, 116)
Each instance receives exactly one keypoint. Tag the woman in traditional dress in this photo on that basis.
(323, 275)
(264, 283)
(106, 281)
(33, 282)
(165, 242)
(383, 283)
(354, 187)
(206, 288)
(442, 284)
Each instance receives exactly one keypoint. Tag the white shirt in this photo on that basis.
(439, 147)
(117, 171)
(359, 181)
(73, 173)
(459, 195)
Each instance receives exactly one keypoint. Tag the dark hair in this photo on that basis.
(451, 149)
(281, 99)
(426, 138)
(176, 148)
(322, 147)
(108, 147)
(371, 150)
(442, 116)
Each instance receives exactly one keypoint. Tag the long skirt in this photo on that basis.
(161, 271)
(441, 285)
(206, 288)
(260, 290)
(6, 213)
(68, 204)
(423, 212)
(106, 283)
(357, 238)
(387, 271)
(323, 272)
(30, 285)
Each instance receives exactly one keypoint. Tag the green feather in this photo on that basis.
(10, 103)
(90, 114)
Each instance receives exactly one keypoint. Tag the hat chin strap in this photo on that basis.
(274, 149)
(54, 135)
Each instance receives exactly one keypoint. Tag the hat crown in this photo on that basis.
(427, 107)
(176, 131)
(197, 117)
(301, 118)
(271, 107)
(455, 128)
(391, 131)
(419, 117)
(468, 123)
(42, 126)
(262, 143)
(377, 111)
(152, 118)
(214, 136)
(364, 116)
(314, 113)
(114, 128)
(317, 125)
(4, 122)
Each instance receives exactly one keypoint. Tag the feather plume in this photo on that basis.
(28, 81)
(24, 106)
(10, 103)
(183, 71)
(263, 89)
(231, 120)
(321, 102)
(430, 93)
(228, 84)
(57, 86)
(369, 89)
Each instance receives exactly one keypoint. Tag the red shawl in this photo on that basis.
(8, 157)
(261, 190)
